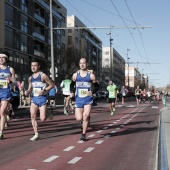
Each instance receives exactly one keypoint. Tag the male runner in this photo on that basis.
(138, 95)
(83, 84)
(7, 74)
(65, 85)
(112, 89)
(38, 86)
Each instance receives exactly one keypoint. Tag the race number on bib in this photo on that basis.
(3, 84)
(82, 92)
(36, 91)
(112, 94)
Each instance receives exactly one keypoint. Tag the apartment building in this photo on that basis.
(25, 33)
(113, 67)
(82, 43)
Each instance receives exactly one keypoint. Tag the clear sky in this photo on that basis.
(146, 45)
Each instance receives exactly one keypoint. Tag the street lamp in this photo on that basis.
(128, 67)
(111, 58)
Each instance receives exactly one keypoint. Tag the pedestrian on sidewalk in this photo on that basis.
(39, 85)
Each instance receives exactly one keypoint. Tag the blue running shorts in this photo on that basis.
(80, 102)
(39, 100)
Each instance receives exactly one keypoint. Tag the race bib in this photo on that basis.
(82, 92)
(3, 84)
(124, 94)
(36, 91)
(112, 94)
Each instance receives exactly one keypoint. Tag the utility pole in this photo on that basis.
(52, 43)
(128, 67)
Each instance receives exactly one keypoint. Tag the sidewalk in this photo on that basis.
(166, 134)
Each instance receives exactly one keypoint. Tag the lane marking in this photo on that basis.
(154, 107)
(99, 142)
(118, 120)
(92, 135)
(106, 136)
(114, 122)
(99, 131)
(117, 128)
(50, 159)
(110, 125)
(69, 148)
(89, 149)
(113, 131)
(74, 160)
(105, 128)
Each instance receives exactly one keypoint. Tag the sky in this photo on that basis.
(149, 45)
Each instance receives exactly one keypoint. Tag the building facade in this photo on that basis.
(25, 33)
(82, 43)
(113, 67)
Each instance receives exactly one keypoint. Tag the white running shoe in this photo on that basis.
(34, 138)
(111, 113)
(114, 109)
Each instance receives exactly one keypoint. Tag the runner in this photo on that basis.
(38, 85)
(138, 95)
(65, 85)
(123, 92)
(7, 74)
(85, 84)
(112, 89)
(143, 95)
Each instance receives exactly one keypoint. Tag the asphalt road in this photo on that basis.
(125, 141)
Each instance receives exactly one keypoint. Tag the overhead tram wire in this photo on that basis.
(108, 11)
(128, 29)
(137, 29)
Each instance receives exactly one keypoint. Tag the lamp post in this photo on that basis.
(52, 43)
(111, 58)
(128, 67)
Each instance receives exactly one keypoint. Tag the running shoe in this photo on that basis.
(1, 136)
(65, 111)
(83, 137)
(34, 138)
(111, 113)
(6, 124)
(49, 115)
(114, 109)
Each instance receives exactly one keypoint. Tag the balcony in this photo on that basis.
(39, 36)
(45, 5)
(39, 18)
(38, 53)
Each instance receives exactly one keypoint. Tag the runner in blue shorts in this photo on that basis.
(84, 85)
(38, 87)
(7, 75)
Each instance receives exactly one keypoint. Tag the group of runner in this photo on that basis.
(82, 87)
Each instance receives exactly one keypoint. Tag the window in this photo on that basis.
(24, 23)
(63, 46)
(24, 43)
(9, 19)
(76, 39)
(24, 6)
(69, 30)
(9, 37)
(63, 32)
(69, 40)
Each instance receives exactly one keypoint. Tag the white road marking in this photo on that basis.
(89, 149)
(118, 120)
(50, 159)
(117, 128)
(113, 131)
(122, 125)
(154, 107)
(92, 135)
(114, 122)
(105, 128)
(69, 148)
(74, 160)
(110, 125)
(99, 131)
(106, 136)
(99, 142)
